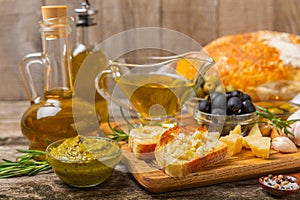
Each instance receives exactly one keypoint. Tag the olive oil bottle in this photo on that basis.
(86, 60)
(57, 114)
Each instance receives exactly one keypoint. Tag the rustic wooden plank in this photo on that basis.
(238, 167)
(244, 16)
(19, 36)
(195, 18)
(70, 4)
(121, 185)
(120, 20)
(10, 117)
(241, 166)
(287, 16)
(202, 20)
(121, 15)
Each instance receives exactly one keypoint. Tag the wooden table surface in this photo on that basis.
(121, 185)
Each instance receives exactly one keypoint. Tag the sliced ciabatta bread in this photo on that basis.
(183, 150)
(142, 141)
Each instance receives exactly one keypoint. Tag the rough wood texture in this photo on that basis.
(19, 35)
(121, 185)
(202, 20)
(242, 166)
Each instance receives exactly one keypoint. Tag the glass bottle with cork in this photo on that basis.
(57, 114)
(86, 60)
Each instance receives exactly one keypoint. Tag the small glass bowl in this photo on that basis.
(225, 123)
(85, 173)
(281, 109)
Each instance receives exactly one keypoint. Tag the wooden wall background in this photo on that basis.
(203, 20)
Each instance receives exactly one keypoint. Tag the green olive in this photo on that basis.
(209, 87)
(230, 88)
(212, 79)
(276, 111)
(200, 93)
(288, 107)
(265, 129)
(220, 88)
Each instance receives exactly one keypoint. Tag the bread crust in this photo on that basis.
(182, 168)
(143, 140)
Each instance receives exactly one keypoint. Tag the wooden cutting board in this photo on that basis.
(242, 166)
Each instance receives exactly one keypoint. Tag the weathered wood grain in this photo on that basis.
(244, 16)
(202, 20)
(286, 16)
(196, 18)
(19, 35)
(241, 166)
(121, 185)
(10, 117)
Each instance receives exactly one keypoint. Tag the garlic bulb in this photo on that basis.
(284, 144)
(295, 129)
(295, 115)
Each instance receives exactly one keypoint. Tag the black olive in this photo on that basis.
(234, 104)
(218, 111)
(228, 95)
(219, 102)
(246, 97)
(204, 106)
(237, 93)
(214, 95)
(248, 107)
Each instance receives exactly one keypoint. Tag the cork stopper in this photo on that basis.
(54, 11)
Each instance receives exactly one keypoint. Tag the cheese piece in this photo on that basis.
(234, 143)
(260, 146)
(255, 131)
(237, 130)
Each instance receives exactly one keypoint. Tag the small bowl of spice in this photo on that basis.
(84, 161)
(279, 185)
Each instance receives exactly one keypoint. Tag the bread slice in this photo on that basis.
(185, 149)
(142, 141)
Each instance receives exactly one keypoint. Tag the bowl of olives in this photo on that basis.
(222, 112)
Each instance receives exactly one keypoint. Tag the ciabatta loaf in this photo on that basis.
(142, 141)
(265, 64)
(183, 150)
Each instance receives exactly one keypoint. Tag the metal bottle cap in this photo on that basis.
(85, 16)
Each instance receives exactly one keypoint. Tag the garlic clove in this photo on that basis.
(284, 144)
(295, 115)
(295, 129)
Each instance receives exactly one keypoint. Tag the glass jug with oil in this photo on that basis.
(58, 113)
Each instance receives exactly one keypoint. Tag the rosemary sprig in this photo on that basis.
(25, 165)
(118, 134)
(276, 122)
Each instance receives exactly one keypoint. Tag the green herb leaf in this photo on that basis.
(118, 134)
(25, 165)
(276, 122)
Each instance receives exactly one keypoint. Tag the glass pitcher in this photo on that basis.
(156, 87)
(56, 114)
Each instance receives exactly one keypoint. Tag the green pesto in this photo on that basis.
(82, 148)
(84, 161)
